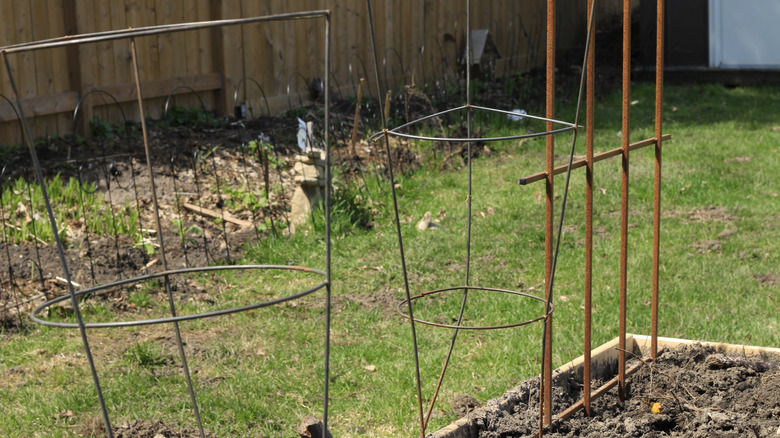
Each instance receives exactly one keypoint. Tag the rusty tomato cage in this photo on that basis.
(322, 277)
(553, 232)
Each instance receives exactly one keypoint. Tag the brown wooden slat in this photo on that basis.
(41, 106)
(162, 87)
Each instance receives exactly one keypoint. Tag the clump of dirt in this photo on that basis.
(383, 299)
(155, 429)
(94, 427)
(767, 279)
(698, 393)
(711, 213)
(707, 246)
(462, 404)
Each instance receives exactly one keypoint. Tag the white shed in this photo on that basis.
(744, 34)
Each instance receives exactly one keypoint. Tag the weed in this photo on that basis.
(185, 232)
(146, 354)
(141, 298)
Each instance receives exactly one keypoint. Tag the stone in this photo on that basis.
(309, 175)
(303, 202)
(426, 222)
(309, 171)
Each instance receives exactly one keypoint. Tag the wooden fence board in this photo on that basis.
(162, 87)
(40, 106)
(269, 53)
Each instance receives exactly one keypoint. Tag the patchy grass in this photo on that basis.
(257, 373)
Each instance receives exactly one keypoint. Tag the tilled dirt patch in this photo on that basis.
(700, 395)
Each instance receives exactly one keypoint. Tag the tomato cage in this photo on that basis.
(158, 274)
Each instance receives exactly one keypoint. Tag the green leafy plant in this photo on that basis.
(193, 117)
(101, 129)
(186, 232)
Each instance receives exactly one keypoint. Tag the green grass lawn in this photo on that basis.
(257, 373)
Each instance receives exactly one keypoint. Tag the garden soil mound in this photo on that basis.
(701, 394)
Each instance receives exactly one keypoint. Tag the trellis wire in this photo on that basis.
(290, 81)
(174, 90)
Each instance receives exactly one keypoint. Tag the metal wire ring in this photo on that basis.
(396, 131)
(464, 327)
(50, 303)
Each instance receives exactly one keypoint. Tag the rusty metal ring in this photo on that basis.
(463, 327)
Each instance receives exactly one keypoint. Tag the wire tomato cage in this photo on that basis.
(168, 275)
(554, 127)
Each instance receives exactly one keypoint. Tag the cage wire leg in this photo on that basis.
(546, 338)
(13, 292)
(469, 121)
(397, 225)
(328, 242)
(60, 250)
(172, 305)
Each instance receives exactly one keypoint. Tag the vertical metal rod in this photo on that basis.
(60, 249)
(659, 95)
(590, 71)
(546, 394)
(469, 118)
(328, 243)
(624, 200)
(559, 237)
(167, 282)
(398, 228)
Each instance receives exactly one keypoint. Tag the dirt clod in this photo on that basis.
(462, 404)
(155, 429)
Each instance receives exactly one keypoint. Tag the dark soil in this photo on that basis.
(155, 429)
(698, 395)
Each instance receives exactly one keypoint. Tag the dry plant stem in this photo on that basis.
(357, 115)
(774, 302)
(387, 105)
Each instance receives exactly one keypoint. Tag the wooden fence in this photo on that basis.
(281, 57)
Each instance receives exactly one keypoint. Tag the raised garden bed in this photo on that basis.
(694, 389)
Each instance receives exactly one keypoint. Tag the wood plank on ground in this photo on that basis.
(216, 215)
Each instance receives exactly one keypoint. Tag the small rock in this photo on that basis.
(425, 222)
